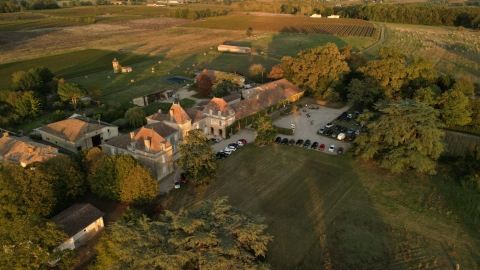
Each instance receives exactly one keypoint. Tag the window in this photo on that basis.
(112, 151)
(163, 159)
(175, 136)
(164, 170)
(220, 123)
(211, 121)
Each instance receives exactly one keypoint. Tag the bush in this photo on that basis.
(284, 131)
(58, 115)
(460, 28)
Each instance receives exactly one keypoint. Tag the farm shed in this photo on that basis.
(237, 49)
(334, 17)
(126, 69)
(316, 16)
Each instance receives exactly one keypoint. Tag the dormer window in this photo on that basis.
(211, 112)
(219, 113)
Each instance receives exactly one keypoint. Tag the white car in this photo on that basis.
(329, 125)
(176, 184)
(239, 143)
(321, 131)
(357, 132)
(247, 86)
(230, 148)
(331, 148)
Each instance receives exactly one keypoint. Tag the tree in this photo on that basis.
(121, 178)
(276, 73)
(474, 107)
(453, 106)
(265, 130)
(445, 82)
(465, 86)
(204, 85)
(403, 135)
(362, 94)
(226, 83)
(317, 69)
(215, 236)
(28, 106)
(425, 95)
(249, 32)
(257, 70)
(26, 81)
(135, 117)
(58, 115)
(197, 158)
(72, 92)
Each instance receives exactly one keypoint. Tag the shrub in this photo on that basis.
(284, 131)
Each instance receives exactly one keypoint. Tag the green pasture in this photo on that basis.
(35, 24)
(331, 212)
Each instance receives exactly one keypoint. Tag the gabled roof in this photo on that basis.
(265, 95)
(156, 132)
(179, 114)
(76, 218)
(159, 117)
(232, 97)
(194, 114)
(23, 150)
(71, 129)
(218, 104)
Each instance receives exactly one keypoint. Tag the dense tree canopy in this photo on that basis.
(203, 85)
(215, 236)
(265, 130)
(72, 92)
(276, 73)
(403, 135)
(135, 117)
(257, 71)
(454, 108)
(226, 83)
(197, 158)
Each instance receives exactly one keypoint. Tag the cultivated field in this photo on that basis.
(331, 212)
(453, 52)
(290, 24)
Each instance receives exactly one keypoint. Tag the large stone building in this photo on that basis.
(219, 115)
(151, 145)
(77, 133)
(24, 151)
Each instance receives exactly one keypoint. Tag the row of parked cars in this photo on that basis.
(308, 144)
(230, 148)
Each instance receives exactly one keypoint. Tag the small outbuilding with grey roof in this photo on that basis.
(80, 222)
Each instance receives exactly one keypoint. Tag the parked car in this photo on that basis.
(341, 136)
(331, 148)
(340, 118)
(351, 130)
(229, 149)
(346, 120)
(329, 125)
(183, 178)
(321, 131)
(176, 184)
(334, 135)
(243, 141)
(278, 140)
(337, 127)
(215, 140)
(285, 141)
(314, 145)
(291, 142)
(299, 142)
(340, 150)
(356, 112)
(357, 131)
(221, 155)
(239, 143)
(357, 123)
(234, 145)
(306, 143)
(351, 137)
(349, 115)
(343, 129)
(344, 114)
(322, 147)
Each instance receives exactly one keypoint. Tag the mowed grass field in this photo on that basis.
(453, 52)
(331, 212)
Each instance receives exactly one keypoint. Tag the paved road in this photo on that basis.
(380, 42)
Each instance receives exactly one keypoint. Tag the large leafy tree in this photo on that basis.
(474, 107)
(276, 73)
(256, 71)
(226, 83)
(72, 92)
(198, 158)
(29, 106)
(454, 108)
(203, 85)
(121, 178)
(215, 236)
(317, 69)
(265, 130)
(26, 81)
(465, 86)
(135, 117)
(403, 135)
(362, 94)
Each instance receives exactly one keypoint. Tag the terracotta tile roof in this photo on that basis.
(218, 104)
(201, 105)
(71, 129)
(23, 150)
(266, 95)
(179, 114)
(76, 218)
(159, 117)
(194, 114)
(154, 132)
(232, 97)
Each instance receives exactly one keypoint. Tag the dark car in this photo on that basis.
(299, 142)
(351, 137)
(340, 118)
(328, 132)
(183, 179)
(322, 147)
(285, 141)
(347, 120)
(306, 143)
(291, 142)
(343, 129)
(278, 140)
(357, 123)
(337, 127)
(344, 114)
(314, 145)
(340, 150)
(334, 135)
(234, 145)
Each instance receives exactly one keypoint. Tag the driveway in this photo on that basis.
(305, 130)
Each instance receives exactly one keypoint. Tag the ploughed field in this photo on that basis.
(340, 27)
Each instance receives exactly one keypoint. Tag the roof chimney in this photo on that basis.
(171, 115)
(132, 135)
(162, 146)
(5, 134)
(147, 142)
(30, 149)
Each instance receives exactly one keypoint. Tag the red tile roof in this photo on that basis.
(179, 115)
(218, 104)
(194, 114)
(71, 129)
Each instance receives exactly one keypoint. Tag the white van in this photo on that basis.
(341, 136)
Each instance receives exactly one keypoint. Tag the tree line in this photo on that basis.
(415, 14)
(10, 6)
(31, 195)
(195, 14)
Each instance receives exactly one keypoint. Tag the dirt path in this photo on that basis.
(380, 42)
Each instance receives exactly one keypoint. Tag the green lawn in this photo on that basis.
(331, 212)
(35, 24)
(73, 64)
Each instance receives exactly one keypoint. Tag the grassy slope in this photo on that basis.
(330, 212)
(35, 24)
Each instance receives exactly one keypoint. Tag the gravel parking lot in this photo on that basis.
(305, 130)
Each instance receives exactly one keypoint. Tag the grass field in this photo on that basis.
(289, 24)
(69, 65)
(331, 212)
(453, 52)
(35, 24)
